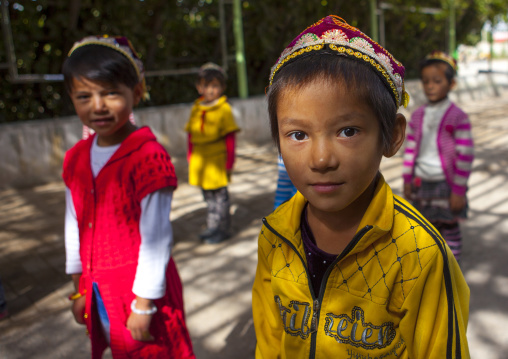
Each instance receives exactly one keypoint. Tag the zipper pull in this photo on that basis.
(315, 318)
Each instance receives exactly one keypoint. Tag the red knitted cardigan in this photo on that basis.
(108, 213)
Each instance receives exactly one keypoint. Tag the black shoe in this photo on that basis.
(217, 238)
(208, 233)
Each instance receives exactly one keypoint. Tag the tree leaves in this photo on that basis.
(178, 34)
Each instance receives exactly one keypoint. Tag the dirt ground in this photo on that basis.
(218, 278)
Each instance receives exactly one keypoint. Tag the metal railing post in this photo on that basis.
(9, 45)
(452, 30)
(240, 49)
(373, 21)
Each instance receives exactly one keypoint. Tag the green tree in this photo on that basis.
(179, 34)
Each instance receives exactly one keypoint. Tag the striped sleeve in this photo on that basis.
(409, 155)
(465, 156)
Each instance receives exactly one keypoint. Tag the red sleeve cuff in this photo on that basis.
(230, 150)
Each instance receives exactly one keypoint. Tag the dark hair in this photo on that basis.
(208, 75)
(359, 78)
(449, 71)
(99, 63)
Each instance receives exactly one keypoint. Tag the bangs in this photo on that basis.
(359, 79)
(101, 64)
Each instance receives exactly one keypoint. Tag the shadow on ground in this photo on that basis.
(32, 254)
(218, 279)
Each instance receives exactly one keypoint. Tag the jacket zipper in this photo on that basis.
(316, 302)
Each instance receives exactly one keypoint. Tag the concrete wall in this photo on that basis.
(32, 152)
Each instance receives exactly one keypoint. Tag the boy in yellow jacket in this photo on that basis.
(347, 269)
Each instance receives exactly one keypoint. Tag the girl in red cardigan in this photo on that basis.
(118, 236)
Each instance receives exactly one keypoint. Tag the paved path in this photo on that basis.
(218, 278)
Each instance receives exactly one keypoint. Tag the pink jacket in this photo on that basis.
(454, 142)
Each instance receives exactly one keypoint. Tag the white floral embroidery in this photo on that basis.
(360, 43)
(398, 83)
(306, 39)
(286, 52)
(385, 62)
(335, 36)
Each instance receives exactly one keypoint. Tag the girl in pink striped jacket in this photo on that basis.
(439, 152)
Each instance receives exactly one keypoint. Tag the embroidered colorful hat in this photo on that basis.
(442, 56)
(333, 34)
(123, 46)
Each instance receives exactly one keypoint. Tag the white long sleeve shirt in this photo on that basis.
(155, 230)
(428, 164)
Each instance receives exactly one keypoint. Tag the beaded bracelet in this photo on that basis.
(150, 311)
(76, 295)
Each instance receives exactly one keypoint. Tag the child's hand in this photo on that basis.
(457, 202)
(228, 173)
(78, 309)
(139, 324)
(407, 191)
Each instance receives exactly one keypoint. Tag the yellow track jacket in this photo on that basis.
(396, 291)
